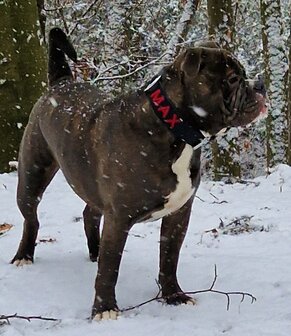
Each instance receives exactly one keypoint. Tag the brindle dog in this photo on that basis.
(135, 158)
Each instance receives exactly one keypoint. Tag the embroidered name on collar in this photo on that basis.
(170, 115)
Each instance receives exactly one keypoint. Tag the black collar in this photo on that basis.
(170, 115)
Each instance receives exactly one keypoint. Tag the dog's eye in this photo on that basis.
(233, 79)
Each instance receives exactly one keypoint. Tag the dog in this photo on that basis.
(132, 159)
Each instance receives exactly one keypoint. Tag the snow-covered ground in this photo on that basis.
(60, 283)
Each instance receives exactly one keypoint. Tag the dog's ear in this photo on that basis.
(188, 62)
(192, 61)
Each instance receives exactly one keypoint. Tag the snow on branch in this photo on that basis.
(94, 4)
(182, 28)
(99, 77)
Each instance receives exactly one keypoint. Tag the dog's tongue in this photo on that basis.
(262, 103)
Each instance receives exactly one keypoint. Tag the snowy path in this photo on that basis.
(60, 283)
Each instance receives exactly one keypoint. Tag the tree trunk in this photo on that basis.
(41, 18)
(182, 29)
(116, 44)
(289, 96)
(22, 73)
(221, 22)
(275, 78)
(225, 153)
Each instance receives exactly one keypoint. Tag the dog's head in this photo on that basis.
(217, 93)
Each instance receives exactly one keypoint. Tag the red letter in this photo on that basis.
(173, 121)
(157, 99)
(165, 110)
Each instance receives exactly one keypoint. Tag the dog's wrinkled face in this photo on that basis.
(217, 90)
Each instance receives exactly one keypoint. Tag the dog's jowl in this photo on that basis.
(132, 159)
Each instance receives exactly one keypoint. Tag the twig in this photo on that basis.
(227, 294)
(156, 298)
(61, 12)
(211, 289)
(237, 220)
(217, 202)
(220, 202)
(200, 199)
(130, 73)
(7, 318)
(214, 196)
(52, 9)
(84, 14)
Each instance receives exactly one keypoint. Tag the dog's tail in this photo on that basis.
(59, 46)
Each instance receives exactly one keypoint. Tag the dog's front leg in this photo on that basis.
(173, 231)
(114, 234)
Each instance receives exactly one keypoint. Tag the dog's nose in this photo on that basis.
(259, 85)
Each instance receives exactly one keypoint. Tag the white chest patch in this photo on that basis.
(184, 189)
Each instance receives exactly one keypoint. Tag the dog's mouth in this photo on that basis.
(262, 104)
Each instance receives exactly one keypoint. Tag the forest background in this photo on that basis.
(121, 44)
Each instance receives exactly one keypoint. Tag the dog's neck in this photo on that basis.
(168, 107)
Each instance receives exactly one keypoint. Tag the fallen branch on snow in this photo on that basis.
(237, 226)
(7, 318)
(211, 289)
(158, 297)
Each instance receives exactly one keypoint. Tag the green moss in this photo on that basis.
(22, 73)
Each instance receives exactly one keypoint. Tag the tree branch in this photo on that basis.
(182, 28)
(158, 297)
(62, 15)
(128, 74)
(84, 14)
(211, 289)
(7, 318)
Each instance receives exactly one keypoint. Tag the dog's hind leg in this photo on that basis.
(36, 170)
(92, 219)
(173, 231)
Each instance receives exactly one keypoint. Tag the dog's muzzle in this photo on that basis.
(244, 100)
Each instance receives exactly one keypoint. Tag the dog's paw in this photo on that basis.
(93, 257)
(21, 262)
(107, 315)
(191, 302)
(180, 298)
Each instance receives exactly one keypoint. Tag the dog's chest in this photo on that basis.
(184, 188)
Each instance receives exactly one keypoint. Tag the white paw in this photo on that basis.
(22, 262)
(191, 302)
(107, 315)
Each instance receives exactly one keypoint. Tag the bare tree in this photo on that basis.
(221, 28)
(116, 43)
(289, 94)
(182, 28)
(221, 22)
(274, 52)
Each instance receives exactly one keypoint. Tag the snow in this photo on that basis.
(60, 283)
